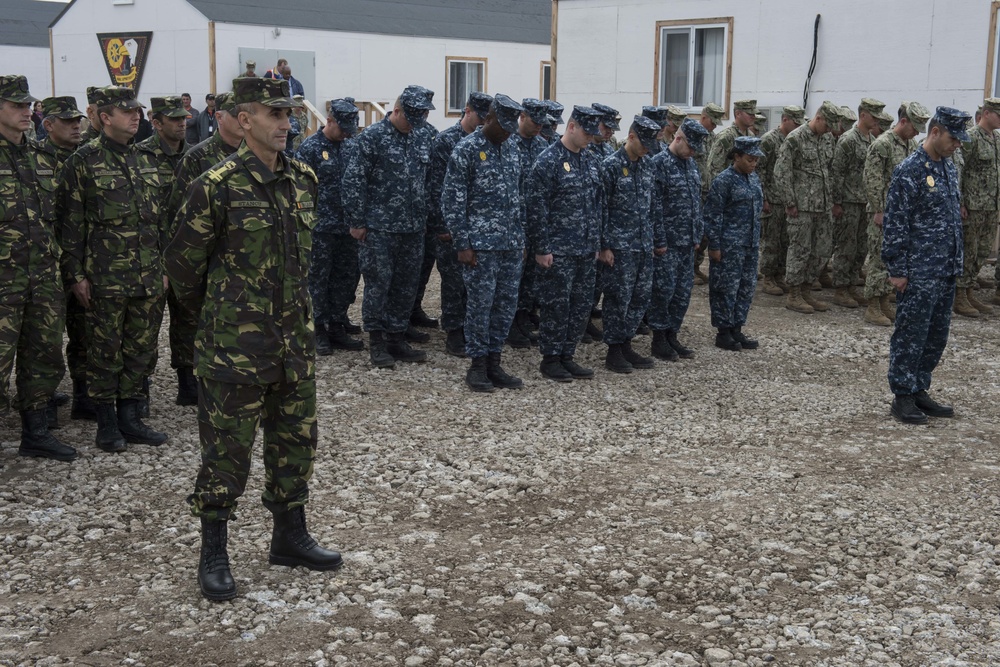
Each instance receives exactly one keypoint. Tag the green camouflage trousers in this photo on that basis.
(850, 244)
(122, 342)
(76, 338)
(183, 327)
(229, 416)
(877, 277)
(978, 231)
(810, 242)
(33, 333)
(773, 243)
(156, 319)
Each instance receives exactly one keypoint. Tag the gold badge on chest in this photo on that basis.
(566, 166)
(930, 181)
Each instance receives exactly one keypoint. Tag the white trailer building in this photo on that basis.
(24, 42)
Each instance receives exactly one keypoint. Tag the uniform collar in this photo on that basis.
(261, 173)
(107, 142)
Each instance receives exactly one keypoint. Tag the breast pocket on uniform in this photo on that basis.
(251, 244)
(9, 196)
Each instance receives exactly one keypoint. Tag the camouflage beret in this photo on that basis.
(170, 106)
(417, 97)
(714, 111)
(992, 103)
(750, 106)
(14, 88)
(871, 105)
(117, 96)
(795, 112)
(61, 107)
(269, 92)
(918, 115)
(224, 102)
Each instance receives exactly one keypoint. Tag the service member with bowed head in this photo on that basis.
(732, 225)
(555, 119)
(565, 206)
(659, 116)
(242, 247)
(922, 252)
(385, 201)
(627, 243)
(482, 208)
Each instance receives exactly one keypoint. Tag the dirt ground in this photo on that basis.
(746, 508)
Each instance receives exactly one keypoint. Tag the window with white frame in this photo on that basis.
(693, 62)
(465, 76)
(545, 92)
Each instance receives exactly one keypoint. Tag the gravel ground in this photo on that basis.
(744, 508)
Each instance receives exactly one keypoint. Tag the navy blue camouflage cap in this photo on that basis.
(695, 133)
(14, 88)
(749, 146)
(117, 96)
(345, 113)
(657, 114)
(610, 116)
(508, 111)
(480, 103)
(646, 130)
(953, 120)
(537, 110)
(61, 107)
(555, 111)
(587, 118)
(417, 97)
(269, 92)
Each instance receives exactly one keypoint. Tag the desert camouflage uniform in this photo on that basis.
(981, 197)
(718, 158)
(774, 232)
(242, 249)
(850, 244)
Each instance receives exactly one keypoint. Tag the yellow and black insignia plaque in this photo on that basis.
(125, 56)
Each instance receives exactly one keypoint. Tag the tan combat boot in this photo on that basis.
(768, 286)
(780, 282)
(886, 307)
(858, 295)
(962, 306)
(984, 308)
(826, 280)
(795, 301)
(843, 298)
(817, 305)
(873, 314)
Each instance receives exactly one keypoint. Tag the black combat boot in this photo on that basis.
(476, 377)
(60, 398)
(187, 387)
(109, 438)
(415, 335)
(661, 349)
(745, 343)
(323, 348)
(682, 352)
(376, 350)
(292, 545)
(930, 407)
(523, 320)
(724, 339)
(642, 329)
(37, 441)
(615, 361)
(498, 376)
(144, 401)
(214, 578)
(634, 358)
(52, 414)
(517, 338)
(132, 428)
(904, 408)
(339, 339)
(400, 350)
(455, 343)
(592, 333)
(83, 405)
(552, 368)
(419, 318)
(351, 328)
(576, 370)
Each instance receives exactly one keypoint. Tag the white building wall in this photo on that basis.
(377, 67)
(33, 63)
(932, 51)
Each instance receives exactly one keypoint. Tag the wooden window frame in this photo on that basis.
(991, 58)
(448, 60)
(678, 23)
(541, 78)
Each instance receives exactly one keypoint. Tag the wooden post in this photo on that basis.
(211, 57)
(52, 63)
(554, 49)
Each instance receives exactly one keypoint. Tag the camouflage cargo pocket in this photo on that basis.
(251, 246)
(113, 198)
(10, 196)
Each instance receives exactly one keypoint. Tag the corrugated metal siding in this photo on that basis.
(26, 22)
(527, 21)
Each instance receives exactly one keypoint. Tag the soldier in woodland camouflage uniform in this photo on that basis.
(242, 251)
(111, 240)
(802, 176)
(159, 156)
(564, 208)
(886, 152)
(774, 233)
(711, 116)
(385, 200)
(850, 242)
(981, 204)
(482, 207)
(922, 251)
(333, 271)
(94, 128)
(31, 296)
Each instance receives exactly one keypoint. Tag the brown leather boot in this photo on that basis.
(843, 298)
(962, 306)
(984, 308)
(817, 305)
(858, 295)
(768, 286)
(796, 302)
(873, 315)
(887, 308)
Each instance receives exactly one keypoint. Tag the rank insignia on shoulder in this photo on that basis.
(216, 175)
(566, 166)
(930, 181)
(482, 155)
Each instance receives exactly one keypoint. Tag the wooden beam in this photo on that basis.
(991, 52)
(554, 47)
(211, 58)
(52, 63)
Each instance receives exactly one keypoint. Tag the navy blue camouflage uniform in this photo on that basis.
(677, 202)
(483, 210)
(922, 241)
(564, 210)
(333, 272)
(384, 192)
(732, 224)
(628, 232)
(528, 151)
